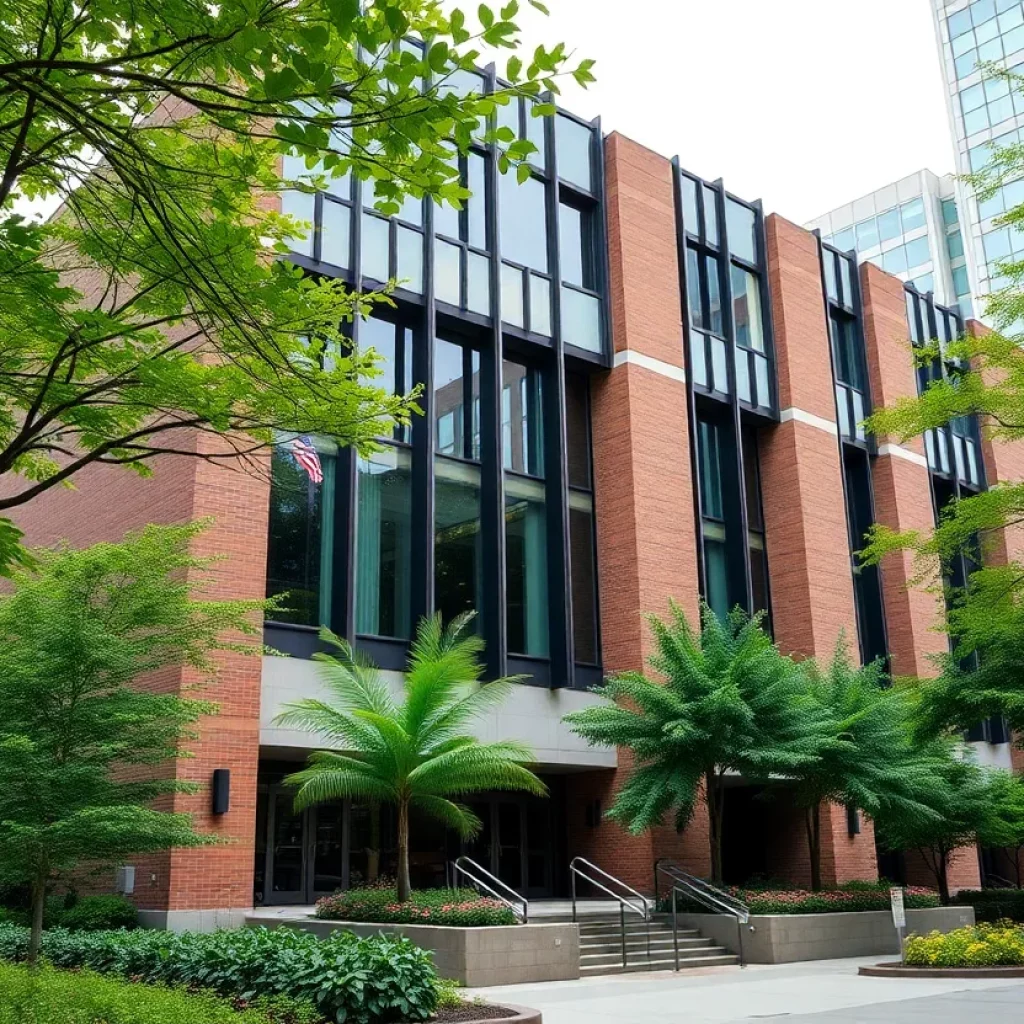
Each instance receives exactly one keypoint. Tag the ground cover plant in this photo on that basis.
(984, 945)
(460, 908)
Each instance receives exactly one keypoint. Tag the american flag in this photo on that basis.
(305, 455)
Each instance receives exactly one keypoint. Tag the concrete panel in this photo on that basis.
(788, 938)
(531, 715)
(475, 957)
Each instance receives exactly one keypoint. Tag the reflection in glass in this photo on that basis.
(742, 375)
(540, 305)
(713, 314)
(522, 419)
(698, 361)
(526, 566)
(458, 581)
(746, 309)
(447, 272)
(719, 366)
(335, 234)
(710, 215)
(577, 430)
(457, 399)
(693, 296)
(716, 571)
(581, 319)
(524, 224)
(740, 222)
(572, 246)
(375, 247)
(300, 540)
(383, 540)
(476, 207)
(410, 259)
(573, 143)
(300, 206)
(710, 470)
(691, 219)
(478, 284)
(583, 575)
(512, 311)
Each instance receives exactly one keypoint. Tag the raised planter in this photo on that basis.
(520, 1015)
(475, 957)
(898, 970)
(788, 938)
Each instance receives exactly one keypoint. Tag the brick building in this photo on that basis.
(636, 387)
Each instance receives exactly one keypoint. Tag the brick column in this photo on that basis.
(643, 484)
(903, 498)
(805, 520)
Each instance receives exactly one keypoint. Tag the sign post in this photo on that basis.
(899, 914)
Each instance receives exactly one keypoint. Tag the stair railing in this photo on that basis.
(482, 879)
(626, 896)
(718, 901)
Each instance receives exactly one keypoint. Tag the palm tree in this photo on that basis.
(724, 701)
(414, 753)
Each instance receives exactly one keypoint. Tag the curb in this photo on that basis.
(897, 970)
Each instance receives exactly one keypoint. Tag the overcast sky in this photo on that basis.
(805, 104)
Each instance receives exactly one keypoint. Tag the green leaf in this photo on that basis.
(514, 68)
(486, 16)
(522, 173)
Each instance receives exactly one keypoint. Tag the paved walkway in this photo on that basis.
(822, 992)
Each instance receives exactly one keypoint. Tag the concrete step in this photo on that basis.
(607, 933)
(689, 963)
(614, 957)
(641, 947)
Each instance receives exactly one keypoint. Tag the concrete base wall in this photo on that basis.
(475, 957)
(193, 920)
(788, 938)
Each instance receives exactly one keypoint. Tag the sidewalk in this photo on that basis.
(819, 992)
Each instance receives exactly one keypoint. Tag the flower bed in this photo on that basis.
(983, 945)
(374, 980)
(860, 897)
(458, 908)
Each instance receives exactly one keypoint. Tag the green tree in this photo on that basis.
(866, 755)
(722, 700)
(1004, 827)
(959, 797)
(415, 753)
(155, 304)
(80, 746)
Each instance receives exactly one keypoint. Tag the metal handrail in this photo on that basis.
(703, 892)
(643, 910)
(466, 866)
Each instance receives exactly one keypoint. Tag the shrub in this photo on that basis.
(984, 945)
(54, 997)
(856, 897)
(460, 908)
(99, 913)
(376, 980)
(993, 904)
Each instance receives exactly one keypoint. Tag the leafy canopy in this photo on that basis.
(156, 304)
(415, 751)
(80, 745)
(718, 700)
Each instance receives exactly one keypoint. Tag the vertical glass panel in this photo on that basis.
(526, 566)
(540, 305)
(300, 206)
(395, 379)
(889, 225)
(845, 240)
(693, 297)
(867, 233)
(456, 425)
(929, 447)
(742, 374)
(583, 577)
(710, 470)
(535, 133)
(758, 573)
(383, 543)
(740, 224)
(571, 246)
(577, 430)
(478, 283)
(958, 456)
(751, 481)
(573, 144)
(447, 272)
(912, 214)
(458, 567)
(972, 462)
(846, 279)
(477, 205)
(506, 115)
(719, 366)
(843, 409)
(411, 211)
(512, 311)
(524, 224)
(581, 320)
(335, 234)
(410, 259)
(446, 220)
(522, 419)
(698, 362)
(828, 261)
(375, 247)
(710, 215)
(714, 310)
(716, 572)
(288, 844)
(858, 415)
(295, 554)
(691, 218)
(943, 450)
(746, 309)
(764, 396)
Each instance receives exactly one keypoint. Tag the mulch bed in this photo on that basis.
(898, 970)
(474, 1012)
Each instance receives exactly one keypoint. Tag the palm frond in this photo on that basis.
(454, 815)
(354, 682)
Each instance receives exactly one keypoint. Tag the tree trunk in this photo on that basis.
(1016, 863)
(404, 886)
(940, 868)
(715, 815)
(812, 821)
(373, 853)
(35, 938)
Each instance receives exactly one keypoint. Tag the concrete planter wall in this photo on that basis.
(787, 938)
(475, 957)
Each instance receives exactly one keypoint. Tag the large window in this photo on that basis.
(461, 243)
(717, 590)
(300, 543)
(582, 553)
